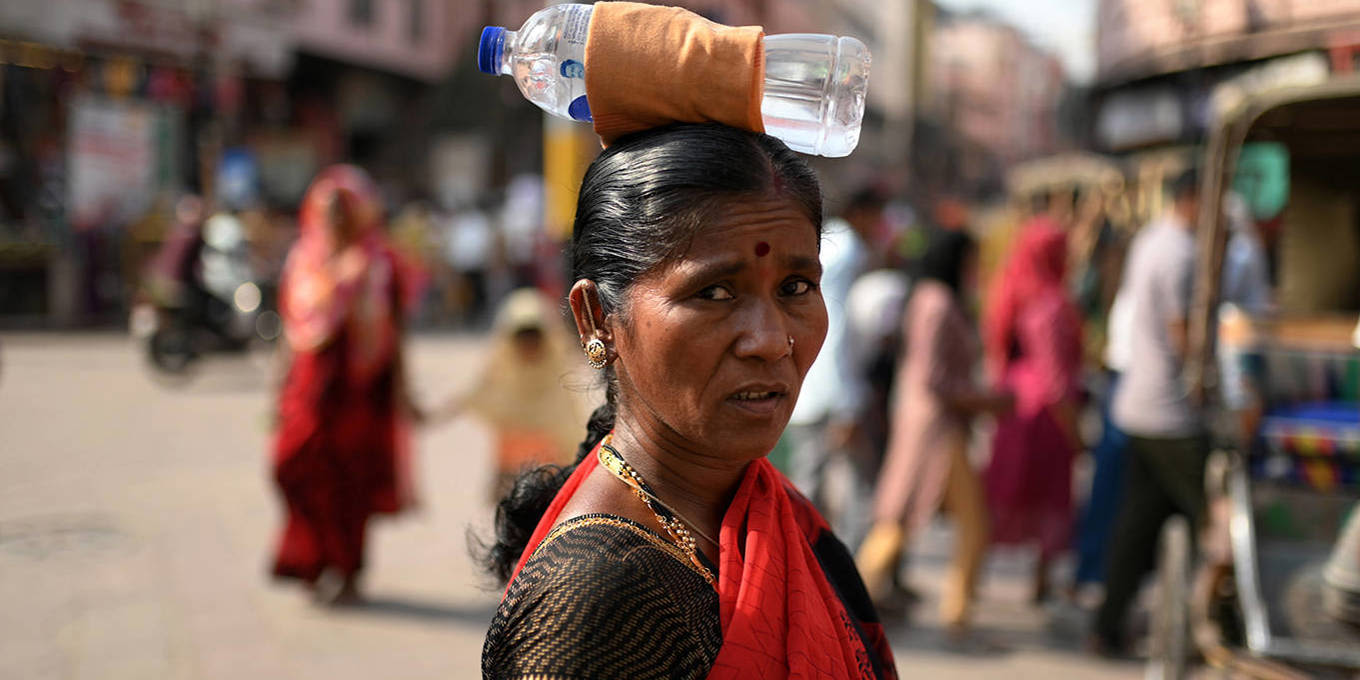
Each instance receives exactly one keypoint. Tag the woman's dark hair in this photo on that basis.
(641, 203)
(944, 258)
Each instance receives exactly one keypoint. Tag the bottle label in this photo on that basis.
(577, 25)
(573, 69)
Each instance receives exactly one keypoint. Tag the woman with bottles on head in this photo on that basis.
(672, 548)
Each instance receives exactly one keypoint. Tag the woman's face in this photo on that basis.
(339, 223)
(528, 344)
(704, 352)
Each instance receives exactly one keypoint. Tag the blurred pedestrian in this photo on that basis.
(1246, 285)
(341, 453)
(1107, 482)
(825, 423)
(522, 229)
(172, 278)
(1246, 267)
(927, 460)
(1246, 297)
(1164, 472)
(521, 394)
(1033, 338)
(470, 245)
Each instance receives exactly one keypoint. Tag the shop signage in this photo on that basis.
(111, 160)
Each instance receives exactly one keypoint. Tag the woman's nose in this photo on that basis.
(763, 333)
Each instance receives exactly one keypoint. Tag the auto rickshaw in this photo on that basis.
(1270, 590)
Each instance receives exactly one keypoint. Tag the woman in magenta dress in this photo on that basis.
(340, 455)
(1033, 342)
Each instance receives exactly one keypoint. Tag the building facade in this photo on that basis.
(1000, 90)
(128, 104)
(412, 38)
(110, 110)
(1139, 39)
(1162, 65)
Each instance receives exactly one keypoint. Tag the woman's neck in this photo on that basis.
(697, 484)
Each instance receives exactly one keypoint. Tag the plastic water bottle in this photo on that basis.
(814, 84)
(814, 91)
(546, 57)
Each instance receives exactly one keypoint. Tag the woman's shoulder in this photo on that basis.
(593, 579)
(605, 541)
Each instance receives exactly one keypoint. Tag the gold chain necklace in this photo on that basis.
(673, 522)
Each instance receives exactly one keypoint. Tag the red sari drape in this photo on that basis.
(1034, 341)
(781, 615)
(341, 451)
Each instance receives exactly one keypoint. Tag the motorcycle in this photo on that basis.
(220, 306)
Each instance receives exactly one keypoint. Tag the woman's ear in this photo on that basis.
(588, 312)
(592, 323)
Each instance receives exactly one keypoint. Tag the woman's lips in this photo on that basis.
(760, 402)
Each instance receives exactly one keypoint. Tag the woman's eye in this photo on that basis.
(797, 287)
(716, 293)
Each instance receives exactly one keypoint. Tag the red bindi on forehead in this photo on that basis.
(762, 249)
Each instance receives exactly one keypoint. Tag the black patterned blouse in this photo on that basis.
(604, 597)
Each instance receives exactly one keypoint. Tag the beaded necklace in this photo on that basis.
(673, 522)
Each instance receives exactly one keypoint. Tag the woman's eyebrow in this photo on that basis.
(803, 263)
(729, 267)
(720, 269)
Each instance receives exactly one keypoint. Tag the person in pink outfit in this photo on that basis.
(926, 468)
(1032, 335)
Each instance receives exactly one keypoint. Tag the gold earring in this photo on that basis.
(596, 354)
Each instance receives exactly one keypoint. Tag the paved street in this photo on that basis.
(136, 520)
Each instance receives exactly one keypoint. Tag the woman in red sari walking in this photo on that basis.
(1033, 341)
(341, 451)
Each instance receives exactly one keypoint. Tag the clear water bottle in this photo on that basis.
(814, 91)
(546, 57)
(814, 84)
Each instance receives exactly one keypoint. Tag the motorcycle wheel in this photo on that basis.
(268, 326)
(171, 350)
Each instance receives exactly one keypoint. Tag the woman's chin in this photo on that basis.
(752, 442)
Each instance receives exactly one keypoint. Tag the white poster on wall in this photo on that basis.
(111, 147)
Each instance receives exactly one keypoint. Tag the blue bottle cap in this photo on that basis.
(579, 109)
(489, 50)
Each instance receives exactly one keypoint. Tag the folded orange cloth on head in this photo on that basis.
(647, 66)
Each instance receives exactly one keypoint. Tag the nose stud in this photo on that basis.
(790, 342)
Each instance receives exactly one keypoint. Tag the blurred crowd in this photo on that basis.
(976, 378)
(963, 367)
(970, 364)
